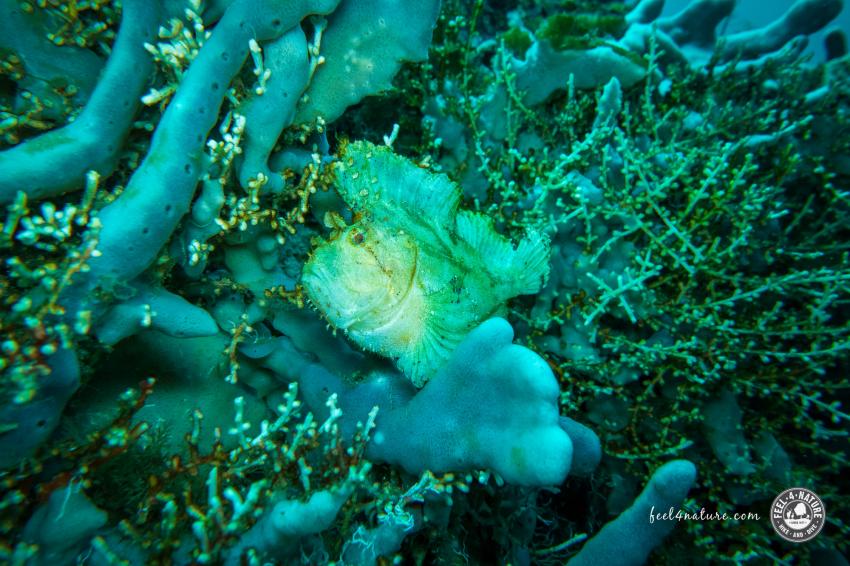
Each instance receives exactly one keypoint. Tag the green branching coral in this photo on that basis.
(413, 274)
(566, 31)
(699, 243)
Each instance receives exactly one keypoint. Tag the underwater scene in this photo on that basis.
(458, 282)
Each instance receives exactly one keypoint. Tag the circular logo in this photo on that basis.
(797, 514)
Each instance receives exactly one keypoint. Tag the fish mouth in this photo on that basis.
(329, 294)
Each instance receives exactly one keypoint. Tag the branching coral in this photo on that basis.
(683, 262)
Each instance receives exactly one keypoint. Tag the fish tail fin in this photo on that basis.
(527, 263)
(531, 263)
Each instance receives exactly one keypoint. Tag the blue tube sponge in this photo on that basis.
(363, 48)
(155, 308)
(497, 407)
(58, 161)
(628, 539)
(47, 66)
(277, 534)
(142, 219)
(63, 527)
(24, 426)
(587, 450)
(272, 109)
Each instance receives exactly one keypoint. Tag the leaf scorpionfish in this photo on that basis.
(413, 273)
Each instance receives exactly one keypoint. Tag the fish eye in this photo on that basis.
(357, 238)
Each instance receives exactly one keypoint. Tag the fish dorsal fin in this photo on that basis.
(522, 270)
(373, 179)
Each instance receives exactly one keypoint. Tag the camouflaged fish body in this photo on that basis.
(413, 274)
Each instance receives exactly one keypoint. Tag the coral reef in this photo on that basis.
(369, 282)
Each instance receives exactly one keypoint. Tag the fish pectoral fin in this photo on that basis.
(521, 270)
(427, 356)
